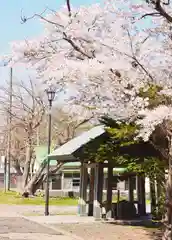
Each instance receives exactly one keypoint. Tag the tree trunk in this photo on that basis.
(32, 164)
(30, 186)
(17, 168)
(168, 216)
(39, 177)
(26, 171)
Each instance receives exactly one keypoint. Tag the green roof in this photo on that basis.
(72, 164)
(67, 150)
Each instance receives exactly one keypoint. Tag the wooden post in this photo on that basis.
(141, 195)
(109, 192)
(131, 189)
(98, 188)
(91, 193)
(83, 190)
(118, 200)
(62, 181)
(153, 197)
(100, 183)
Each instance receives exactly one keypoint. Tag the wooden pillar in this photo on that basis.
(100, 183)
(153, 197)
(83, 190)
(91, 193)
(98, 188)
(109, 192)
(141, 195)
(62, 181)
(131, 189)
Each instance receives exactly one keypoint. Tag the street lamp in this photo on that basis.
(51, 95)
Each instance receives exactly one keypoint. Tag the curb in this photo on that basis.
(58, 230)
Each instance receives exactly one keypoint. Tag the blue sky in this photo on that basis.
(10, 22)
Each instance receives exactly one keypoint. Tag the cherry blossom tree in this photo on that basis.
(85, 51)
(107, 54)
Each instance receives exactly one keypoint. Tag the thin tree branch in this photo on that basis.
(77, 48)
(155, 14)
(135, 58)
(68, 7)
(24, 19)
(160, 10)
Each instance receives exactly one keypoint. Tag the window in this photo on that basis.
(127, 184)
(76, 182)
(114, 186)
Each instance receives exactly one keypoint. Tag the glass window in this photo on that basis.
(134, 183)
(76, 182)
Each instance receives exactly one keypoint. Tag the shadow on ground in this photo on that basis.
(155, 233)
(153, 230)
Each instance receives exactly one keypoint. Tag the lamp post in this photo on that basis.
(51, 95)
(8, 162)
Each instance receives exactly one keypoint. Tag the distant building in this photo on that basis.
(13, 177)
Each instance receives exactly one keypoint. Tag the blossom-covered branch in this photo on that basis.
(85, 50)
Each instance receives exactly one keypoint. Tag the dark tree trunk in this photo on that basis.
(168, 216)
(39, 177)
(17, 169)
(30, 187)
(26, 171)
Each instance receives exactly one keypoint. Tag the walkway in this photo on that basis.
(21, 222)
(33, 210)
(22, 229)
(14, 224)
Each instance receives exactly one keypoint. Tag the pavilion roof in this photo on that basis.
(66, 151)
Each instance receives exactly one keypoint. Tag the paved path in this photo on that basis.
(28, 210)
(17, 228)
(23, 222)
(69, 219)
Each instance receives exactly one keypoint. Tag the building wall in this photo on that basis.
(71, 182)
(13, 180)
(56, 183)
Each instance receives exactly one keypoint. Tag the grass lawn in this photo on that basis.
(14, 198)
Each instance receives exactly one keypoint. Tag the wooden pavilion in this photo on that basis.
(92, 174)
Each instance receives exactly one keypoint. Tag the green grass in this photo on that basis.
(13, 198)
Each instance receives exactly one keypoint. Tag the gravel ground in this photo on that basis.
(102, 231)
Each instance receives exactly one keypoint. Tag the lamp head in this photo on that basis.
(51, 92)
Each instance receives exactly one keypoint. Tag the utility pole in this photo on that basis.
(5, 174)
(37, 137)
(8, 162)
